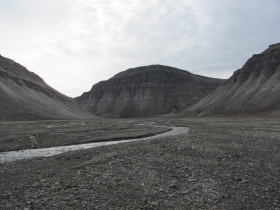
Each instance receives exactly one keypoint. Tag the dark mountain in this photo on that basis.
(253, 89)
(146, 91)
(25, 96)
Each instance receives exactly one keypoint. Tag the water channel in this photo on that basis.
(11, 156)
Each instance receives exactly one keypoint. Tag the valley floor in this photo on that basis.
(222, 163)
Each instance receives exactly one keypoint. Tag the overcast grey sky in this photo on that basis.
(73, 44)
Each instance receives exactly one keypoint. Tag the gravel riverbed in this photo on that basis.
(221, 163)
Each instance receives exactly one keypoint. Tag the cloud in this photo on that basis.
(73, 44)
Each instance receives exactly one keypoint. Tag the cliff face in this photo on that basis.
(25, 96)
(146, 91)
(255, 88)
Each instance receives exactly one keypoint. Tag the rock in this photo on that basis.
(173, 186)
(186, 192)
(146, 91)
(153, 203)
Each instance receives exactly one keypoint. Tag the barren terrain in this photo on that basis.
(221, 163)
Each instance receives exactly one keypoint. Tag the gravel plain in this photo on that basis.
(221, 163)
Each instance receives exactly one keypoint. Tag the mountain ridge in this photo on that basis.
(25, 96)
(146, 91)
(252, 89)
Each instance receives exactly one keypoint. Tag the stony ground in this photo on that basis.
(222, 163)
(43, 134)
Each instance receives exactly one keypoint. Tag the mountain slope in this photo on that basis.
(146, 91)
(253, 89)
(25, 96)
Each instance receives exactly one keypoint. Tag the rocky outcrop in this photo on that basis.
(253, 89)
(25, 96)
(146, 91)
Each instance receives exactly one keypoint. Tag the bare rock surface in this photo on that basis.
(253, 89)
(222, 163)
(25, 96)
(146, 91)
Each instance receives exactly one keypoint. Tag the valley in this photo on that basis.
(171, 140)
(221, 163)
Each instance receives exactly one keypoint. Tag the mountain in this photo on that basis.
(253, 89)
(25, 96)
(146, 91)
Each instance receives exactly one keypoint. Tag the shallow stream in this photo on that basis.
(46, 152)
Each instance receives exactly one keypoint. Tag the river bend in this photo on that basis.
(11, 156)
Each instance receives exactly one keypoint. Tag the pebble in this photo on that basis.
(140, 176)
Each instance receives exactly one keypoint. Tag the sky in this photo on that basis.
(73, 44)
